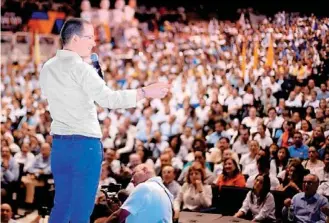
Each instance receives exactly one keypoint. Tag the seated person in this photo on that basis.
(298, 149)
(176, 161)
(9, 173)
(25, 157)
(306, 206)
(168, 177)
(217, 153)
(251, 169)
(280, 161)
(250, 157)
(259, 201)
(165, 159)
(323, 173)
(145, 154)
(227, 153)
(6, 213)
(40, 168)
(263, 167)
(292, 178)
(199, 157)
(313, 163)
(231, 175)
(195, 194)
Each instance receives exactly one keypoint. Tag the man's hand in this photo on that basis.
(287, 202)
(5, 164)
(157, 90)
(325, 210)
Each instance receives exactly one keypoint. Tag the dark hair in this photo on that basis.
(202, 146)
(235, 172)
(309, 125)
(285, 161)
(312, 113)
(263, 164)
(179, 142)
(225, 138)
(270, 109)
(264, 191)
(72, 26)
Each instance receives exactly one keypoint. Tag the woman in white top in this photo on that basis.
(194, 194)
(259, 201)
(313, 163)
(280, 161)
(306, 130)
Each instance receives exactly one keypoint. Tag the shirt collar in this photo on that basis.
(65, 54)
(155, 179)
(312, 199)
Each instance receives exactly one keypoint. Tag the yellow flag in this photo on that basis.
(37, 57)
(243, 55)
(256, 45)
(270, 53)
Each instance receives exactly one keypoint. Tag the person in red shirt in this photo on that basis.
(231, 175)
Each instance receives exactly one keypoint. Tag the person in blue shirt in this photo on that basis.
(9, 173)
(218, 133)
(298, 149)
(306, 206)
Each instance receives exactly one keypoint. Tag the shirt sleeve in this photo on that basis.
(12, 173)
(96, 89)
(322, 215)
(267, 208)
(179, 198)
(137, 199)
(206, 196)
(250, 181)
(273, 168)
(246, 204)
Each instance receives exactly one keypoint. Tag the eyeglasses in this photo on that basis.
(308, 182)
(88, 37)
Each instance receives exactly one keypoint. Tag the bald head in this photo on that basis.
(142, 173)
(6, 212)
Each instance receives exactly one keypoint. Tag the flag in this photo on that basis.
(256, 46)
(243, 55)
(36, 50)
(270, 53)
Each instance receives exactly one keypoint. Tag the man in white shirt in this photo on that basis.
(293, 100)
(150, 201)
(72, 87)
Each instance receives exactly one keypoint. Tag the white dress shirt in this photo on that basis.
(71, 87)
(260, 212)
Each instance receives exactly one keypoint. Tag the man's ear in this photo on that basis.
(75, 38)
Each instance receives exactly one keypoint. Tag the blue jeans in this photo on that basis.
(76, 165)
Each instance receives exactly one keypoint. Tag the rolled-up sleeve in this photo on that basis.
(96, 89)
(206, 196)
(246, 204)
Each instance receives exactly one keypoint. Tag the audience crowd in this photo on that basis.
(235, 116)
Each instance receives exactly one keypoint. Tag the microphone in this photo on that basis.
(95, 62)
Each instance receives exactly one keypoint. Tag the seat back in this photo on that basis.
(279, 197)
(231, 199)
